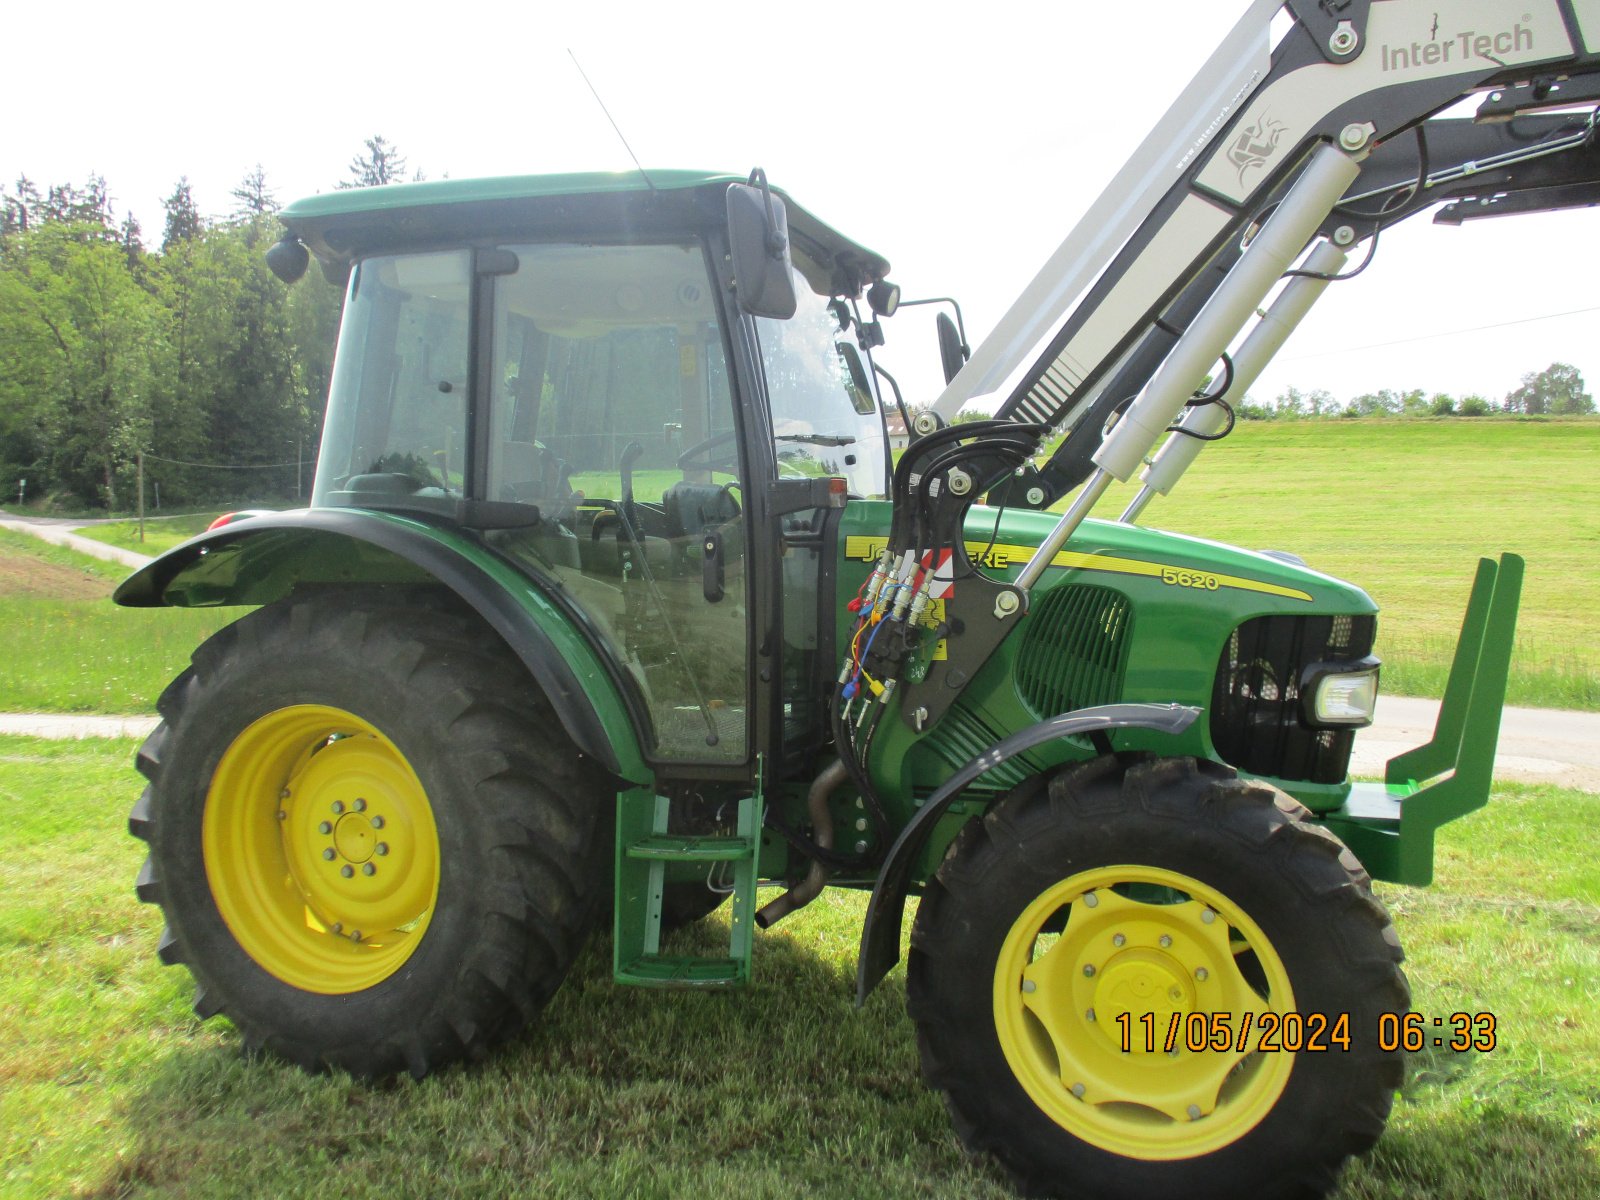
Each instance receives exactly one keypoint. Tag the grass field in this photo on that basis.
(69, 649)
(160, 535)
(110, 1088)
(1404, 509)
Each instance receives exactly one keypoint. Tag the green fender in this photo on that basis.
(260, 559)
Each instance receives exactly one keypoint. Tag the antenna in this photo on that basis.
(612, 119)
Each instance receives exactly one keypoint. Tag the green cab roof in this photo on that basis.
(346, 224)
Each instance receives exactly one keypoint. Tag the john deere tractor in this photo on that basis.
(613, 604)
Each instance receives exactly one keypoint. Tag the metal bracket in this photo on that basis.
(1338, 27)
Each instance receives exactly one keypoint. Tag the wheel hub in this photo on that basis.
(335, 893)
(1142, 981)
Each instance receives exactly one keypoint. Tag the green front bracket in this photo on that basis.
(645, 848)
(1390, 826)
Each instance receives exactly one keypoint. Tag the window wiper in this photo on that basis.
(816, 439)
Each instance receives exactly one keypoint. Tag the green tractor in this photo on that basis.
(613, 602)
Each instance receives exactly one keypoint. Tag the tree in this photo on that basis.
(1558, 390)
(383, 163)
(1474, 406)
(1442, 405)
(254, 196)
(183, 218)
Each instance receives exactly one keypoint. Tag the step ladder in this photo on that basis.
(644, 848)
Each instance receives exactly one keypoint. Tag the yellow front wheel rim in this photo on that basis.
(320, 849)
(1123, 942)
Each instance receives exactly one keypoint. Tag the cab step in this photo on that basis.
(645, 849)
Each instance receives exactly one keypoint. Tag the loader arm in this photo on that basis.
(1363, 79)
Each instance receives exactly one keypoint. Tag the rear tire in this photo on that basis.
(373, 844)
(1167, 887)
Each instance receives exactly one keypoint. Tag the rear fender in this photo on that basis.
(260, 560)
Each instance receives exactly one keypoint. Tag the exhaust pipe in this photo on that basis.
(809, 888)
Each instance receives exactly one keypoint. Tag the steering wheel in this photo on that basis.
(698, 457)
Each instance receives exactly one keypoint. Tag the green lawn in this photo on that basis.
(69, 649)
(110, 1088)
(160, 535)
(1405, 508)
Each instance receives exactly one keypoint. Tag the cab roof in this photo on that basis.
(347, 224)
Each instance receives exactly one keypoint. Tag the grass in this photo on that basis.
(160, 534)
(70, 649)
(110, 1088)
(1405, 508)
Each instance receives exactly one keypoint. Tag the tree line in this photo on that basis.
(191, 356)
(1556, 391)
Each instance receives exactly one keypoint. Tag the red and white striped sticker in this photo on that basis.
(943, 585)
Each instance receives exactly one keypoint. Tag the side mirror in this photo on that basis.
(952, 351)
(758, 240)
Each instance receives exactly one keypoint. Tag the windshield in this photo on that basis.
(825, 416)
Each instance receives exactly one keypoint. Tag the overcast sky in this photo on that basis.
(961, 143)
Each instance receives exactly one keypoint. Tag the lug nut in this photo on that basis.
(360, 805)
(325, 827)
(338, 926)
(1202, 974)
(1194, 1112)
(1208, 916)
(328, 854)
(282, 816)
(1119, 940)
(1166, 940)
(1088, 969)
(381, 849)
(368, 869)
(355, 935)
(283, 795)
(1089, 1015)
(1078, 1090)
(377, 822)
(1090, 900)
(347, 870)
(338, 807)
(1029, 985)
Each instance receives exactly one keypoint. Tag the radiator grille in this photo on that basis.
(960, 737)
(1255, 705)
(1074, 649)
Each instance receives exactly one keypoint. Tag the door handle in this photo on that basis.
(711, 580)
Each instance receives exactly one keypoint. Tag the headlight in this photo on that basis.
(1340, 694)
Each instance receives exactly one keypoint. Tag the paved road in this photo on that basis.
(58, 532)
(1537, 745)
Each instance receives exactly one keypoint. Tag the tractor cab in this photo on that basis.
(564, 365)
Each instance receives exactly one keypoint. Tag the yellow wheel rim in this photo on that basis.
(1089, 959)
(320, 849)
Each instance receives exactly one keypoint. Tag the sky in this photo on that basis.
(961, 142)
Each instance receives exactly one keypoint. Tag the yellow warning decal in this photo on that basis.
(1001, 556)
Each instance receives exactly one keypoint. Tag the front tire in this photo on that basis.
(374, 847)
(1122, 899)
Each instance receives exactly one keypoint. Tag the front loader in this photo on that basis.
(612, 596)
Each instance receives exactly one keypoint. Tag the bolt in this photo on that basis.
(1089, 1015)
(1202, 974)
(282, 816)
(355, 935)
(861, 847)
(1344, 235)
(1088, 969)
(1344, 38)
(283, 795)
(347, 870)
(328, 854)
(368, 869)
(1005, 604)
(1078, 1090)
(338, 927)
(377, 822)
(1166, 940)
(360, 805)
(1029, 986)
(1036, 495)
(1497, 96)
(1353, 136)
(381, 849)
(1208, 916)
(960, 483)
(1119, 940)
(1194, 1112)
(1090, 900)
(325, 827)
(861, 823)
(338, 807)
